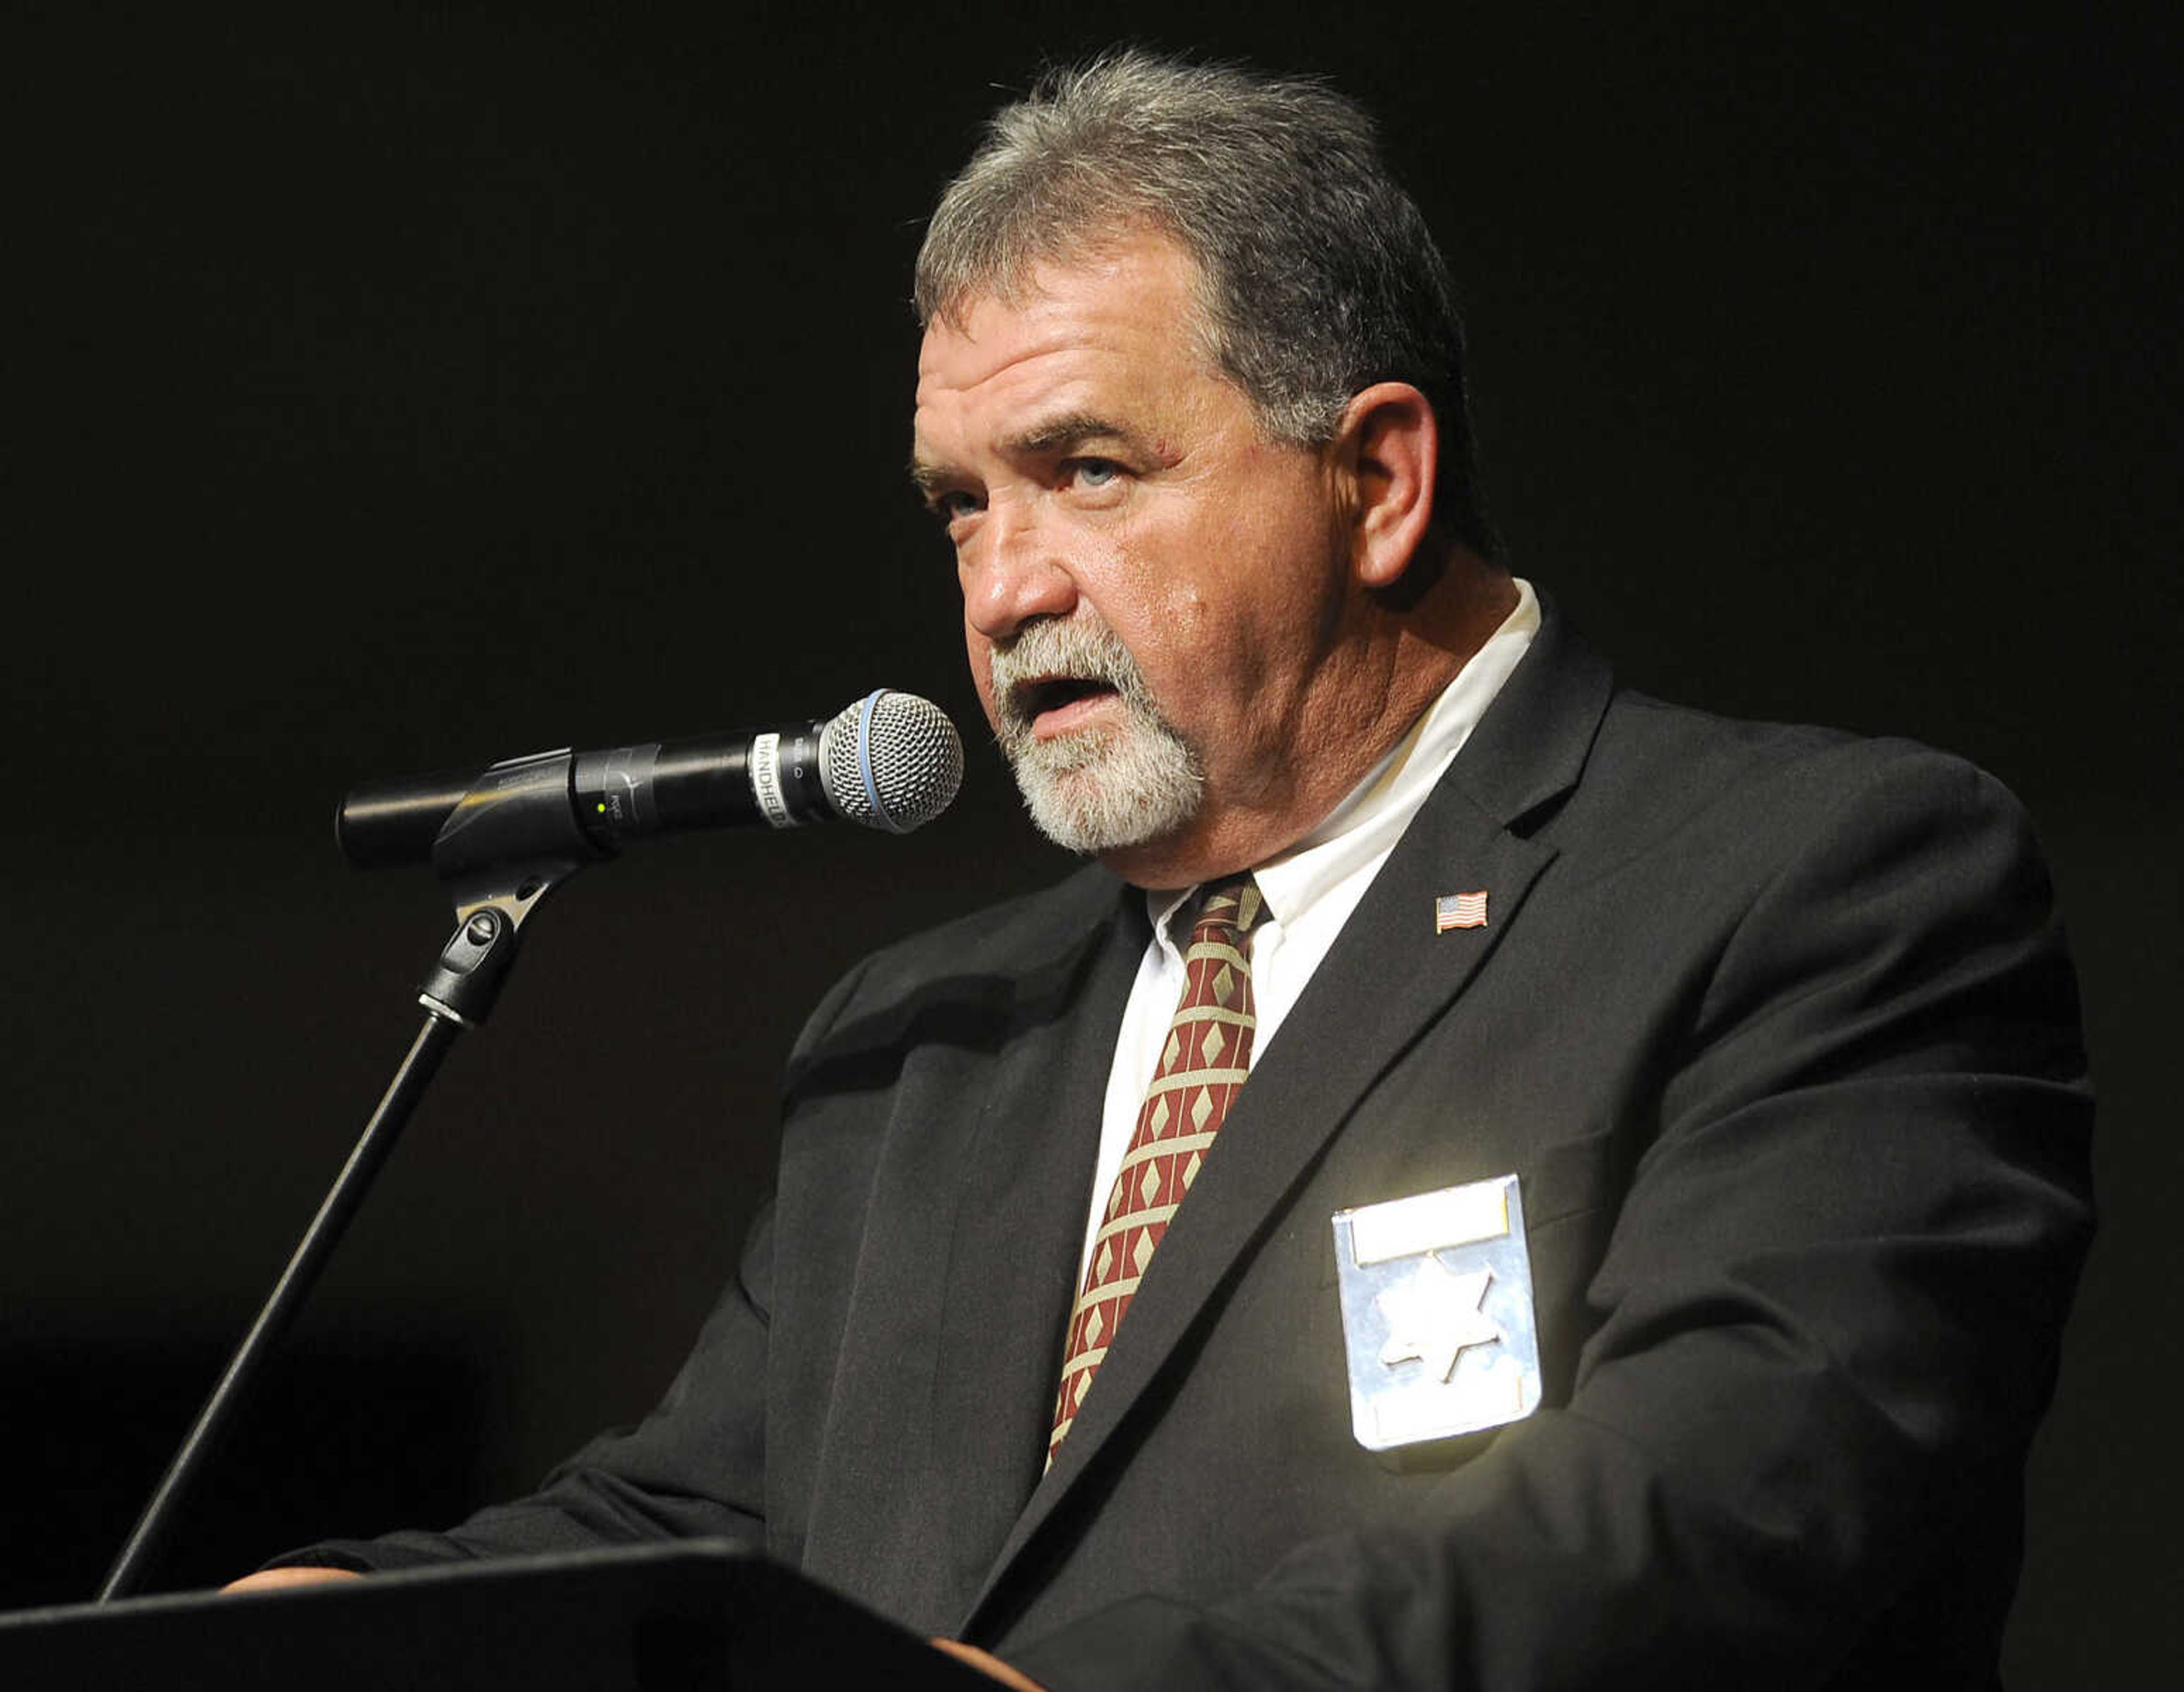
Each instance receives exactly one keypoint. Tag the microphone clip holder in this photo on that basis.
(512, 839)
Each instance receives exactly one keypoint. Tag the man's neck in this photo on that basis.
(1383, 678)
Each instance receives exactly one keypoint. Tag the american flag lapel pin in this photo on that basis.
(1460, 911)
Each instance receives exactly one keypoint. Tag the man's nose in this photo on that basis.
(1013, 573)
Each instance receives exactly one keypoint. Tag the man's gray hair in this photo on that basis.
(1318, 276)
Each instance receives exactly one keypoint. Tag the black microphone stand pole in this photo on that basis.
(516, 805)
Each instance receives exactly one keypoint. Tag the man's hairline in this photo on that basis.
(1073, 247)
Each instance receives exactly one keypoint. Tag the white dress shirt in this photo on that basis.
(1310, 891)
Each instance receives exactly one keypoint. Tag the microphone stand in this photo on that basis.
(516, 805)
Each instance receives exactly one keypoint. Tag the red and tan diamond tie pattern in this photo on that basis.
(1201, 1070)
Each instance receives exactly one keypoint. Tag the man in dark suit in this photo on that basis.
(1612, 1179)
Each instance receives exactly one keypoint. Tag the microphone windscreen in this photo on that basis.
(891, 760)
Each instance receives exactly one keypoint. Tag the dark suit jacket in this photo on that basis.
(1777, 1028)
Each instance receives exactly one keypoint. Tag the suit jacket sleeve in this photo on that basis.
(694, 1467)
(1826, 1323)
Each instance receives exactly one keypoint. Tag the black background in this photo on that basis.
(421, 389)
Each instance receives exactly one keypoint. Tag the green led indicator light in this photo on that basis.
(603, 804)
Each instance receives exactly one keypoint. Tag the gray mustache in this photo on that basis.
(1043, 650)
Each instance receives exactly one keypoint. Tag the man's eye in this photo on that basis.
(956, 503)
(1094, 472)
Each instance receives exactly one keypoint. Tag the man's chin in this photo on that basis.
(1098, 804)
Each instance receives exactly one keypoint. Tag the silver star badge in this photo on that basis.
(1434, 1316)
(1437, 1316)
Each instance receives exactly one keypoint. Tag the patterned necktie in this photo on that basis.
(1201, 1071)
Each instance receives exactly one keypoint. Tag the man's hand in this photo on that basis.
(270, 1579)
(991, 1666)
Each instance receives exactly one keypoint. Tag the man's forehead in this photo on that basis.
(1005, 344)
(1027, 412)
(1118, 290)
(1081, 339)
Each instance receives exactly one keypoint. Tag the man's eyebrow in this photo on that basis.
(1071, 429)
(1047, 436)
(929, 478)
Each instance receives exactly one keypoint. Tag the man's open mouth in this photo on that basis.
(1035, 699)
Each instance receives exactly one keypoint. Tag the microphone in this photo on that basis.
(891, 762)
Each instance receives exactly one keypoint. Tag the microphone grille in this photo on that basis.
(891, 760)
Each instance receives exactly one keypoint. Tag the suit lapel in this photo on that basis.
(1388, 975)
(1019, 1225)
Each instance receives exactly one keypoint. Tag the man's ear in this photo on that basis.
(1387, 446)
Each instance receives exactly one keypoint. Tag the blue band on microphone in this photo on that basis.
(865, 762)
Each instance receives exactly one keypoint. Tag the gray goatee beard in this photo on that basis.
(1101, 789)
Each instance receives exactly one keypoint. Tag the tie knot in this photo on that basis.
(1232, 905)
